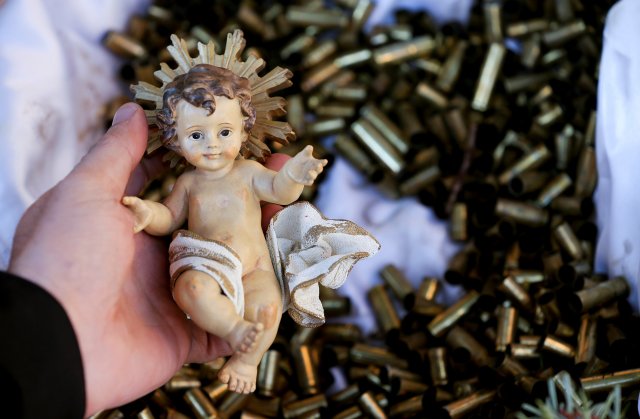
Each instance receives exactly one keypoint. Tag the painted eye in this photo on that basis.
(196, 136)
(225, 133)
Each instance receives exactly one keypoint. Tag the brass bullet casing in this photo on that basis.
(428, 290)
(325, 127)
(372, 355)
(299, 44)
(553, 57)
(542, 96)
(180, 382)
(531, 51)
(450, 70)
(556, 37)
(386, 127)
(318, 75)
(200, 405)
(549, 116)
(599, 295)
(378, 146)
(402, 51)
(350, 93)
(564, 382)
(438, 365)
(233, 403)
(555, 345)
(370, 406)
(488, 76)
(527, 182)
(492, 20)
(174, 414)
(461, 407)
(352, 412)
(521, 29)
(459, 221)
(515, 292)
(299, 408)
(587, 173)
(124, 45)
(507, 323)
(108, 414)
(527, 277)
(353, 58)
(522, 213)
(411, 123)
(510, 366)
(410, 407)
(295, 113)
(399, 284)
(319, 53)
(348, 395)
(573, 206)
(336, 306)
(361, 12)
(383, 309)
(145, 414)
(306, 370)
(539, 155)
(348, 148)
(564, 10)
(590, 131)
(564, 142)
(567, 239)
(430, 66)
(458, 337)
(457, 125)
(321, 18)
(553, 189)
(607, 382)
(445, 320)
(253, 21)
(526, 82)
(267, 372)
(431, 95)
(216, 391)
(420, 180)
(389, 373)
(586, 348)
(522, 351)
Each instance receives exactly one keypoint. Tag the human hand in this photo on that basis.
(303, 168)
(76, 242)
(141, 211)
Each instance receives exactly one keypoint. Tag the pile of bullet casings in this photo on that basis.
(492, 125)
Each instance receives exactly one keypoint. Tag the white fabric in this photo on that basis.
(617, 196)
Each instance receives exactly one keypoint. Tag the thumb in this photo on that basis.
(119, 151)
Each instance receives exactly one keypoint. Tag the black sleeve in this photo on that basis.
(41, 372)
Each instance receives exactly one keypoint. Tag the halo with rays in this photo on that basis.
(266, 107)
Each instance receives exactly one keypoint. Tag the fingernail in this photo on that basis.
(125, 112)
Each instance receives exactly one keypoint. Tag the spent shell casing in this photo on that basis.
(507, 324)
(336, 306)
(174, 414)
(520, 29)
(325, 127)
(438, 366)
(352, 412)
(306, 370)
(420, 180)
(145, 414)
(527, 182)
(403, 51)
(390, 373)
(525, 277)
(601, 294)
(367, 354)
(428, 65)
(526, 82)
(510, 366)
(233, 403)
(522, 213)
(404, 386)
(428, 290)
(556, 37)
(409, 407)
(590, 131)
(586, 172)
(516, 292)
(522, 351)
(299, 44)
(346, 395)
(567, 239)
(296, 113)
(531, 160)
(336, 110)
(200, 405)
(459, 221)
(564, 382)
(370, 406)
(124, 45)
(216, 390)
(564, 142)
(353, 58)
(586, 348)
(542, 96)
(492, 20)
(348, 148)
(457, 125)
(319, 53)
(361, 12)
(267, 371)
(350, 93)
(384, 311)
(299, 408)
(411, 123)
(432, 95)
(531, 51)
(564, 10)
(460, 408)
(607, 382)
(450, 70)
(553, 189)
(488, 76)
(386, 127)
(458, 337)
(445, 320)
(378, 146)
(318, 75)
(557, 346)
(399, 285)
(321, 18)
(180, 382)
(549, 116)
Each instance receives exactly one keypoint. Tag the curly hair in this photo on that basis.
(199, 87)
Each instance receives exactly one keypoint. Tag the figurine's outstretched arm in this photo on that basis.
(159, 219)
(285, 186)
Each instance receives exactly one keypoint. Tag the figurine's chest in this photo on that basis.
(220, 196)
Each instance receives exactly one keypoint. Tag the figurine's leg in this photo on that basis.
(200, 296)
(263, 303)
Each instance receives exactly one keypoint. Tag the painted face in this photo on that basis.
(210, 142)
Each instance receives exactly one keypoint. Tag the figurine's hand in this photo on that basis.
(141, 210)
(76, 243)
(303, 168)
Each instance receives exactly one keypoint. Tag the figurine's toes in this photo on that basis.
(233, 383)
(224, 376)
(252, 334)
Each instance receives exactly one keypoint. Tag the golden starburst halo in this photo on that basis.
(266, 107)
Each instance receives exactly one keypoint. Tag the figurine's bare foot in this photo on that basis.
(244, 335)
(239, 375)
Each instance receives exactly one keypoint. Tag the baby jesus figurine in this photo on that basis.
(225, 275)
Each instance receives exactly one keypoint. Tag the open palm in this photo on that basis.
(77, 242)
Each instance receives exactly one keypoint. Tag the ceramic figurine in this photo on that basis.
(214, 112)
